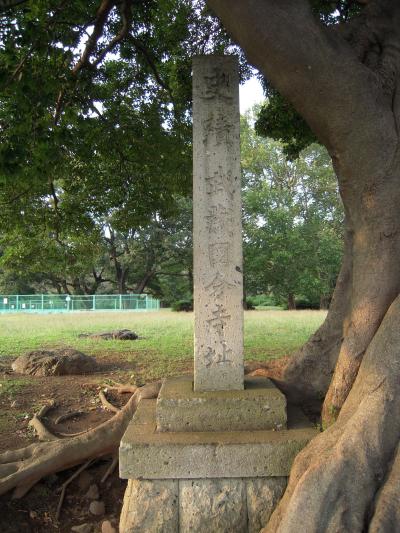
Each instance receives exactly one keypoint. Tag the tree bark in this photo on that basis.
(291, 302)
(345, 83)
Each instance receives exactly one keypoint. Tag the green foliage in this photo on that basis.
(182, 305)
(261, 300)
(279, 120)
(292, 220)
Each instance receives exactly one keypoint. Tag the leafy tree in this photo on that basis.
(337, 64)
(292, 220)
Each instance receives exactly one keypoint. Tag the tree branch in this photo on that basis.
(315, 69)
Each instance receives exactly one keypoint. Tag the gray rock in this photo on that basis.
(83, 528)
(263, 494)
(150, 506)
(107, 527)
(212, 505)
(97, 508)
(119, 334)
(56, 362)
(93, 492)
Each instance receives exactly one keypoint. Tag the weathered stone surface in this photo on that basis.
(217, 232)
(54, 363)
(150, 507)
(119, 335)
(263, 495)
(146, 453)
(209, 505)
(260, 405)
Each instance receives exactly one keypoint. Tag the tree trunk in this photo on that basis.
(144, 281)
(291, 302)
(324, 301)
(345, 82)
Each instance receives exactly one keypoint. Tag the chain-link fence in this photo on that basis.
(48, 303)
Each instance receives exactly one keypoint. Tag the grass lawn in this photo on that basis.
(166, 346)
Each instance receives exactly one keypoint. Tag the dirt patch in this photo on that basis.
(22, 396)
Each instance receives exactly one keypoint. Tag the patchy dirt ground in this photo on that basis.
(21, 397)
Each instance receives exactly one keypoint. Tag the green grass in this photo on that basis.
(165, 335)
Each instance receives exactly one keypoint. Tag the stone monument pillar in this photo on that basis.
(212, 453)
(217, 226)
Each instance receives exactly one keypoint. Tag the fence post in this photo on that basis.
(120, 302)
(94, 302)
(42, 302)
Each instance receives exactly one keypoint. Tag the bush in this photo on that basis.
(249, 306)
(261, 300)
(305, 303)
(182, 305)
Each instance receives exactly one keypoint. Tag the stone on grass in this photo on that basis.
(57, 362)
(119, 335)
(97, 508)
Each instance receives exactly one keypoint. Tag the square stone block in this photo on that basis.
(146, 453)
(261, 405)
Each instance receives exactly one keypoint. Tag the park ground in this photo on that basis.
(164, 348)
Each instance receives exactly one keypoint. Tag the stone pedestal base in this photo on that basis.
(259, 406)
(231, 505)
(205, 481)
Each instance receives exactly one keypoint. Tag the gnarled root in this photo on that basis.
(348, 476)
(21, 469)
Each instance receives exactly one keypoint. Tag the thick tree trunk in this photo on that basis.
(345, 82)
(291, 302)
(348, 476)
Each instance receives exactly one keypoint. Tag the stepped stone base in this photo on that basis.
(148, 454)
(205, 481)
(200, 506)
(259, 406)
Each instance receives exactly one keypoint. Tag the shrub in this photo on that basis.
(182, 305)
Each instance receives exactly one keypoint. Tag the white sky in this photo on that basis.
(250, 93)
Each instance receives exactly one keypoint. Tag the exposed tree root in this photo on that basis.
(37, 424)
(66, 483)
(106, 404)
(120, 388)
(349, 475)
(110, 469)
(21, 469)
(67, 416)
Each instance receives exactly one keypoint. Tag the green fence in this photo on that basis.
(58, 303)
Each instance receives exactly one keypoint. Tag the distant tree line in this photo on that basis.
(87, 240)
